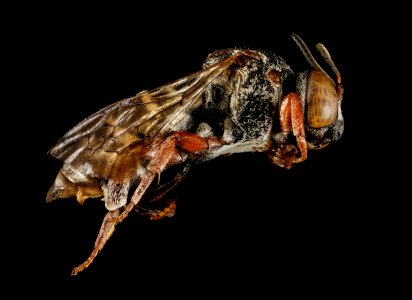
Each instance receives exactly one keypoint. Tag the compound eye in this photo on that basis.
(322, 101)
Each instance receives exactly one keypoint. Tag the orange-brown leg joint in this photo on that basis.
(191, 142)
(284, 115)
(298, 126)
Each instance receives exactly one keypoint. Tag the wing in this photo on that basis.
(99, 139)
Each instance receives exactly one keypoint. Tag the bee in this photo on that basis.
(236, 103)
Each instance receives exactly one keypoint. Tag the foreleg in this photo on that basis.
(291, 119)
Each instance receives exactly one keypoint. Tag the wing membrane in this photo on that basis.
(148, 115)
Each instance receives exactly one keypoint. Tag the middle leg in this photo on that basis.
(167, 153)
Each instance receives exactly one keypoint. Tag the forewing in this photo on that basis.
(94, 144)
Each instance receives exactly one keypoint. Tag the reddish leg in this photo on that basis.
(157, 214)
(166, 154)
(291, 119)
(163, 154)
(106, 231)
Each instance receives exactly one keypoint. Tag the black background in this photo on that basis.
(241, 224)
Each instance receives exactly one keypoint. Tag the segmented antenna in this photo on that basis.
(308, 55)
(325, 53)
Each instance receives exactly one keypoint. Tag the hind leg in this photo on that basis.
(164, 154)
(106, 231)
